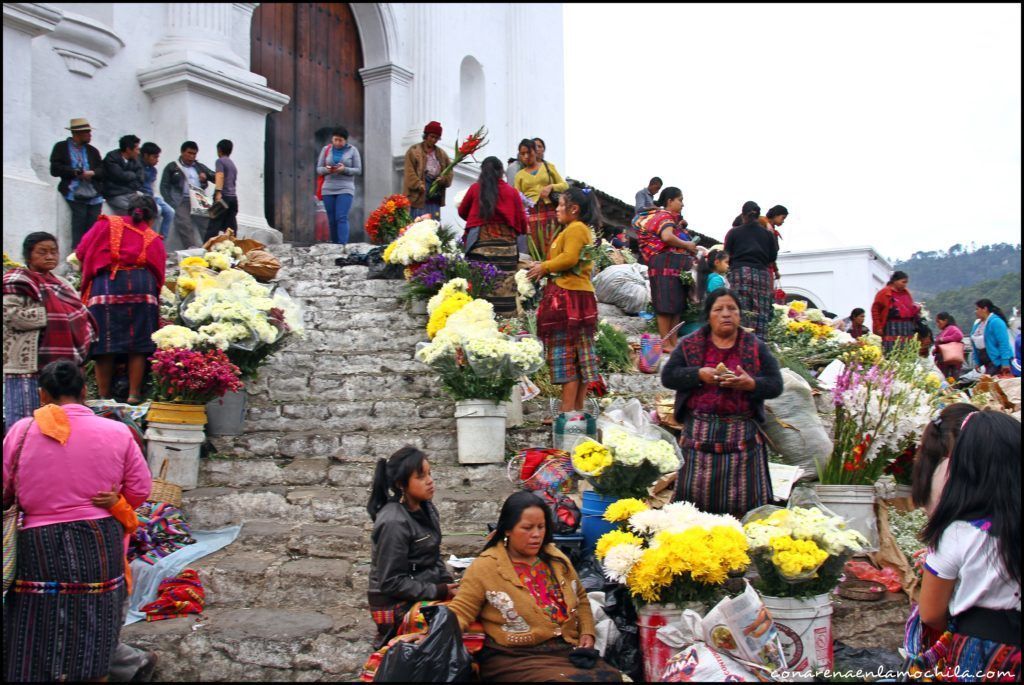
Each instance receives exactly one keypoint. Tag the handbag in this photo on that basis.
(85, 191)
(553, 196)
(951, 353)
(320, 179)
(565, 515)
(12, 517)
(217, 208)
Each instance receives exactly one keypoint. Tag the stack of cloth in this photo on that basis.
(162, 530)
(177, 597)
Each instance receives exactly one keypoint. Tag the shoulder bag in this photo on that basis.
(12, 518)
(952, 353)
(85, 190)
(199, 203)
(554, 195)
(320, 179)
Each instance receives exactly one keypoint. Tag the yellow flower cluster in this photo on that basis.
(697, 554)
(450, 305)
(818, 330)
(796, 558)
(798, 306)
(190, 263)
(591, 458)
(612, 539)
(12, 264)
(867, 354)
(622, 509)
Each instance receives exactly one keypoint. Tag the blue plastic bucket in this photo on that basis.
(594, 505)
(689, 327)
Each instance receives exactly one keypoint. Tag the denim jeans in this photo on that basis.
(338, 207)
(166, 216)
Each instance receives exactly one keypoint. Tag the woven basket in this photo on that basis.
(164, 490)
(555, 473)
(862, 590)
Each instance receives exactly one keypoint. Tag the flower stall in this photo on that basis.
(670, 559)
(799, 554)
(478, 365)
(387, 219)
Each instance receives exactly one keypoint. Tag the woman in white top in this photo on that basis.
(967, 623)
(931, 462)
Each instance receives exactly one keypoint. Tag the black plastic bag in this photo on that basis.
(439, 658)
(381, 270)
(624, 654)
(590, 572)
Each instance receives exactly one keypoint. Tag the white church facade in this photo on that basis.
(835, 279)
(274, 78)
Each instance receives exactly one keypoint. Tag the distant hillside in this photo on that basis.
(932, 273)
(1003, 291)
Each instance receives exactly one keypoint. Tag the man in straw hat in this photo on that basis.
(80, 169)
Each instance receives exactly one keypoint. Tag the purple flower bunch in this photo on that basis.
(427, 279)
(853, 376)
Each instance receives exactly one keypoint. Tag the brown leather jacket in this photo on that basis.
(492, 593)
(413, 185)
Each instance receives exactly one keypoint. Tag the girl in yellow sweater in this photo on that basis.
(567, 315)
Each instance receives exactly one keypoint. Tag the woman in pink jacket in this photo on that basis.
(949, 332)
(62, 614)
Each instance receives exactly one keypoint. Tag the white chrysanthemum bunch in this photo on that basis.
(524, 285)
(620, 560)
(677, 518)
(632, 450)
(170, 337)
(805, 523)
(475, 320)
(419, 242)
(526, 356)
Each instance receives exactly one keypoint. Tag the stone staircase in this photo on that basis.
(287, 600)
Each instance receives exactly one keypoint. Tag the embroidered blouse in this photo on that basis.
(541, 582)
(713, 399)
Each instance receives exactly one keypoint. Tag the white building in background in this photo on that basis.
(274, 78)
(837, 280)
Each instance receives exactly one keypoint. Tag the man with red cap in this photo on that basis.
(424, 163)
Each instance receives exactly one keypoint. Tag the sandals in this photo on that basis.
(134, 400)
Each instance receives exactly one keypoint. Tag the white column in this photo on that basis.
(386, 96)
(202, 91)
(518, 29)
(429, 80)
(25, 193)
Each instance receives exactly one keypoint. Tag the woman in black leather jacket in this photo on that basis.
(406, 566)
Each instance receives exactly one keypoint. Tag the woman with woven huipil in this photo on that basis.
(894, 312)
(722, 375)
(567, 314)
(539, 181)
(123, 262)
(62, 614)
(752, 251)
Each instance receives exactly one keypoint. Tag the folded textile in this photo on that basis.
(162, 530)
(176, 597)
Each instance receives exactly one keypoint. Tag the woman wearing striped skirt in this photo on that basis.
(44, 320)
(722, 375)
(494, 218)
(123, 263)
(62, 614)
(894, 312)
(752, 251)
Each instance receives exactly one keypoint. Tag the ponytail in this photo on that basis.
(706, 265)
(391, 476)
(590, 212)
(142, 209)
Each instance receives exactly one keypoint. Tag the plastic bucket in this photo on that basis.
(172, 412)
(805, 626)
(418, 307)
(656, 653)
(481, 431)
(226, 415)
(179, 444)
(515, 408)
(593, 526)
(856, 504)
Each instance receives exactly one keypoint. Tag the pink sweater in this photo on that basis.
(55, 482)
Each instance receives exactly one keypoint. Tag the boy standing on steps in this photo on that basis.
(225, 184)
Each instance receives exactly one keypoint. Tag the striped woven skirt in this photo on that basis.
(62, 616)
(754, 288)
(896, 330)
(543, 226)
(21, 397)
(127, 311)
(955, 657)
(496, 245)
(571, 357)
(725, 465)
(668, 294)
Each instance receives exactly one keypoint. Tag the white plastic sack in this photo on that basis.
(625, 286)
(607, 632)
(794, 427)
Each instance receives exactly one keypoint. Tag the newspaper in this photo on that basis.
(783, 476)
(742, 628)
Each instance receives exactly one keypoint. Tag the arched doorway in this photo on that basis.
(312, 53)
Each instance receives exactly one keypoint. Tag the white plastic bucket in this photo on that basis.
(856, 504)
(656, 653)
(226, 415)
(418, 307)
(179, 444)
(805, 626)
(481, 430)
(515, 409)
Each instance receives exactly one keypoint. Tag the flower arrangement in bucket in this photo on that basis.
(879, 411)
(386, 220)
(674, 555)
(418, 241)
(188, 376)
(474, 359)
(799, 551)
(623, 465)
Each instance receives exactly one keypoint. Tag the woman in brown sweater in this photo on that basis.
(533, 607)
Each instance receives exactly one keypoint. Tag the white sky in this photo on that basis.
(896, 126)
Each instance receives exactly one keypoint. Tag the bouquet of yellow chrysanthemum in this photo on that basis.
(591, 458)
(672, 555)
(799, 551)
